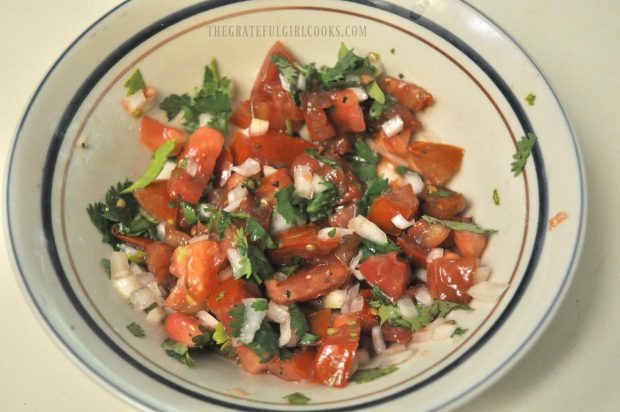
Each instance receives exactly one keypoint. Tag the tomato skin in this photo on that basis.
(182, 327)
(301, 241)
(368, 315)
(273, 148)
(242, 115)
(320, 321)
(410, 121)
(203, 147)
(155, 200)
(137, 241)
(401, 200)
(387, 272)
(449, 278)
(319, 126)
(346, 112)
(158, 257)
(428, 235)
(398, 144)
(153, 134)
(470, 244)
(342, 215)
(250, 360)
(197, 266)
(395, 334)
(443, 207)
(410, 95)
(225, 296)
(437, 162)
(416, 252)
(335, 360)
(273, 183)
(310, 282)
(297, 368)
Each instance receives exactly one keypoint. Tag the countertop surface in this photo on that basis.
(574, 365)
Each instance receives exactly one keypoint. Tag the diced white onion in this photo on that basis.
(428, 331)
(407, 307)
(251, 321)
(393, 126)
(234, 257)
(119, 265)
(278, 313)
(435, 253)
(235, 197)
(145, 278)
(127, 285)
(394, 355)
(225, 273)
(279, 224)
(487, 291)
(268, 170)
(351, 293)
(323, 234)
(135, 269)
(135, 103)
(161, 231)
(155, 316)
(423, 296)
(482, 274)
(317, 183)
(378, 343)
(207, 319)
(303, 179)
(143, 298)
(203, 119)
(301, 82)
(387, 170)
(400, 222)
(258, 127)
(287, 336)
(352, 78)
(248, 168)
(191, 167)
(279, 276)
(198, 238)
(367, 229)
(420, 274)
(304, 133)
(363, 357)
(166, 172)
(416, 182)
(444, 331)
(353, 266)
(360, 93)
(335, 299)
(286, 85)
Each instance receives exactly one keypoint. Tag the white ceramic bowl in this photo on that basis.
(479, 77)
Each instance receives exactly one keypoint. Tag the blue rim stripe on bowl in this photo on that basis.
(185, 13)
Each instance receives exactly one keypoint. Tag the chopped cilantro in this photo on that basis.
(388, 313)
(290, 206)
(424, 318)
(107, 267)
(220, 296)
(496, 197)
(237, 314)
(265, 343)
(178, 351)
(321, 206)
(377, 108)
(245, 265)
(381, 296)
(314, 153)
(292, 266)
(260, 305)
(375, 92)
(299, 324)
(462, 226)
(530, 98)
(441, 308)
(402, 170)
(204, 339)
(393, 50)
(297, 398)
(257, 234)
(308, 339)
(364, 161)
(220, 336)
(459, 332)
(260, 266)
(524, 148)
(189, 213)
(136, 330)
(370, 248)
(135, 83)
(332, 233)
(376, 187)
(154, 168)
(367, 375)
(218, 220)
(289, 73)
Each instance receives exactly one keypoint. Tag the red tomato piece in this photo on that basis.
(443, 207)
(342, 215)
(416, 252)
(319, 126)
(310, 282)
(242, 115)
(250, 360)
(153, 134)
(156, 201)
(228, 294)
(449, 278)
(158, 257)
(301, 241)
(223, 167)
(469, 243)
(395, 334)
(412, 96)
(346, 112)
(387, 272)
(273, 148)
(428, 235)
(203, 147)
(437, 162)
(401, 200)
(408, 118)
(320, 321)
(273, 183)
(182, 327)
(197, 266)
(137, 241)
(298, 367)
(335, 360)
(368, 315)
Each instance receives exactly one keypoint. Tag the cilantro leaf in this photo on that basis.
(388, 313)
(155, 166)
(290, 75)
(299, 324)
(402, 170)
(258, 234)
(370, 248)
(375, 92)
(348, 63)
(204, 339)
(220, 336)
(530, 98)
(364, 161)
(524, 148)
(367, 375)
(290, 206)
(381, 296)
(107, 267)
(459, 331)
(376, 187)
(136, 330)
(496, 197)
(189, 213)
(265, 343)
(314, 153)
(218, 220)
(245, 265)
(178, 351)
(321, 206)
(260, 266)
(377, 108)
(260, 305)
(135, 83)
(459, 226)
(424, 318)
(237, 313)
(308, 339)
(297, 398)
(175, 104)
(295, 263)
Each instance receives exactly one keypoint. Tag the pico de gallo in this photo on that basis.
(305, 231)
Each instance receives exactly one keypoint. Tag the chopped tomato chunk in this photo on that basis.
(158, 257)
(346, 112)
(436, 161)
(301, 241)
(153, 134)
(385, 207)
(156, 201)
(335, 360)
(469, 243)
(273, 183)
(319, 126)
(228, 294)
(449, 278)
(395, 333)
(428, 235)
(387, 272)
(182, 327)
(443, 206)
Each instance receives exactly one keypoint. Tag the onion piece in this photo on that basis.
(423, 296)
(317, 183)
(161, 231)
(251, 321)
(363, 358)
(394, 355)
(127, 285)
(268, 170)
(235, 258)
(351, 303)
(135, 269)
(416, 182)
(279, 224)
(487, 291)
(353, 266)
(301, 82)
(304, 181)
(136, 104)
(407, 307)
(378, 344)
(198, 238)
(335, 299)
(235, 197)
(435, 253)
(248, 168)
(421, 274)
(323, 234)
(166, 172)
(360, 93)
(204, 119)
(278, 313)
(119, 265)
(287, 338)
(304, 133)
(400, 222)
(367, 229)
(258, 127)
(155, 316)
(427, 332)
(191, 167)
(286, 85)
(387, 170)
(207, 319)
(143, 298)
(483, 273)
(393, 126)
